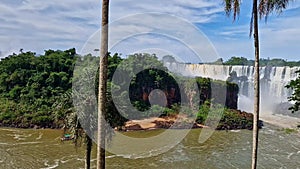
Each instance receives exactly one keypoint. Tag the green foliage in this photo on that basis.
(232, 120)
(37, 90)
(175, 108)
(266, 7)
(203, 112)
(229, 119)
(239, 61)
(262, 62)
(140, 106)
(156, 111)
(295, 86)
(209, 89)
(289, 130)
(147, 74)
(232, 6)
(30, 84)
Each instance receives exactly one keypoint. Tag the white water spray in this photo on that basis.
(272, 81)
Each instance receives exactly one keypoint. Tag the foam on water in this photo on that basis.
(55, 165)
(223, 150)
(40, 136)
(235, 131)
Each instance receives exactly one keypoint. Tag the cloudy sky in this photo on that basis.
(176, 27)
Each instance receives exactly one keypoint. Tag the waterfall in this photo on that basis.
(272, 81)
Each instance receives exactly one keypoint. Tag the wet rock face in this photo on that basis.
(163, 124)
(133, 127)
(220, 92)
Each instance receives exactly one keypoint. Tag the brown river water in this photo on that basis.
(42, 149)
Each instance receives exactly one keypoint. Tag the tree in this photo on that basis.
(102, 86)
(295, 86)
(238, 61)
(63, 111)
(72, 123)
(263, 9)
(89, 144)
(33, 83)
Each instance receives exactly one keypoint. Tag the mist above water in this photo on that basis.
(272, 81)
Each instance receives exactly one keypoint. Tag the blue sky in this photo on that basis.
(37, 25)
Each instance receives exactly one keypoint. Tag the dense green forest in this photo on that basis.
(31, 84)
(262, 62)
(36, 90)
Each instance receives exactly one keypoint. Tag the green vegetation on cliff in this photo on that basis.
(242, 61)
(262, 62)
(36, 90)
(30, 84)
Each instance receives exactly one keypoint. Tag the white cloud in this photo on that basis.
(279, 37)
(195, 11)
(59, 24)
(156, 31)
(39, 25)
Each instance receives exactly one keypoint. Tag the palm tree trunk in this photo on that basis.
(256, 87)
(102, 86)
(89, 144)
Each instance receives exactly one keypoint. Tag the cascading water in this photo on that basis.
(272, 81)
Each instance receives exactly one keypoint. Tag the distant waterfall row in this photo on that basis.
(272, 80)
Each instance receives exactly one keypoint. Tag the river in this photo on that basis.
(42, 149)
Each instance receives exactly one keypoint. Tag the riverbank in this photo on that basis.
(159, 123)
(280, 120)
(32, 126)
(230, 120)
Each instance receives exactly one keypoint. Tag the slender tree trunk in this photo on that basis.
(89, 144)
(102, 86)
(256, 87)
